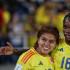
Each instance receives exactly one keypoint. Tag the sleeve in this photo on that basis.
(20, 65)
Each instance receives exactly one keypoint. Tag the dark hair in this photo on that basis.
(48, 29)
(65, 18)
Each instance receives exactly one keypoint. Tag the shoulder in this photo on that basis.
(59, 49)
(26, 56)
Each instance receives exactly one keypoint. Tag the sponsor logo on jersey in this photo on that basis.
(60, 49)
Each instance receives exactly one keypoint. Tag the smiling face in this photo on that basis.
(67, 30)
(46, 43)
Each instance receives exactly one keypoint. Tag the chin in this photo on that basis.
(47, 53)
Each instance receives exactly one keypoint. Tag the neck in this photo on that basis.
(68, 42)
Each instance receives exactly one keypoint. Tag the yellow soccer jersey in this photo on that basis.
(61, 57)
(31, 60)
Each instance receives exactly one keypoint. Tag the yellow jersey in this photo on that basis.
(31, 60)
(61, 56)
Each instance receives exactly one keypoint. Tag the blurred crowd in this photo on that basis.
(21, 19)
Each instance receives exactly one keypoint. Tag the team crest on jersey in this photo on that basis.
(49, 69)
(40, 63)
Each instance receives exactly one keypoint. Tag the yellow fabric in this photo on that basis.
(27, 27)
(58, 22)
(35, 62)
(31, 40)
(32, 36)
(6, 16)
(61, 57)
(41, 16)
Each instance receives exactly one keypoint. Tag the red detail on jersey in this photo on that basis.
(27, 56)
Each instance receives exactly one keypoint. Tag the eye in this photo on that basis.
(52, 41)
(43, 39)
(65, 27)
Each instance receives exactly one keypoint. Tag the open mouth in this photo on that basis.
(46, 48)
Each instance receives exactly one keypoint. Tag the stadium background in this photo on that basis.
(21, 19)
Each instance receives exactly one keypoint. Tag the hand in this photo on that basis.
(2, 51)
(9, 50)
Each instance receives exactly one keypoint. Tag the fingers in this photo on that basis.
(10, 45)
(8, 51)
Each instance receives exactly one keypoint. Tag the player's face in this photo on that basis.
(46, 43)
(67, 30)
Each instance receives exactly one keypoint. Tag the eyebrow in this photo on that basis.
(45, 37)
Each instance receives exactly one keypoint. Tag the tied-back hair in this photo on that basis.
(67, 17)
(47, 29)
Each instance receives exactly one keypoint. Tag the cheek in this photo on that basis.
(53, 45)
(40, 43)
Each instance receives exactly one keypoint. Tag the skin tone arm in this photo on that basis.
(10, 50)
(7, 50)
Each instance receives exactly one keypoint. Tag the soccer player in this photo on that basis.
(62, 53)
(38, 57)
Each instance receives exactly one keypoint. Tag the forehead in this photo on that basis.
(48, 36)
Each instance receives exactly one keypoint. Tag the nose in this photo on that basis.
(47, 43)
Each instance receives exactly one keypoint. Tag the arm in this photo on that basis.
(10, 50)
(2, 51)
